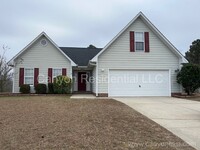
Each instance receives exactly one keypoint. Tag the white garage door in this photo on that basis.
(139, 83)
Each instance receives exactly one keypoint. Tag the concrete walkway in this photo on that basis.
(83, 96)
(181, 117)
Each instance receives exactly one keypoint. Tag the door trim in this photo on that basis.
(83, 88)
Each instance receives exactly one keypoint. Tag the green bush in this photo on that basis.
(25, 89)
(62, 85)
(41, 89)
(50, 88)
(189, 78)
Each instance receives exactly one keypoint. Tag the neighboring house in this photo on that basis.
(139, 61)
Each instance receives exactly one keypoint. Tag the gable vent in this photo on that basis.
(43, 42)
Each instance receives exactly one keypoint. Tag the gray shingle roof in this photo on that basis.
(80, 56)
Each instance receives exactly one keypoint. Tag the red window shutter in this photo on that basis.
(132, 41)
(21, 76)
(146, 39)
(36, 74)
(50, 75)
(64, 71)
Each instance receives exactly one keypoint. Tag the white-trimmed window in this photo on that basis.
(56, 72)
(139, 41)
(29, 76)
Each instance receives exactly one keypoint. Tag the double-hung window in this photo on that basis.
(29, 76)
(56, 72)
(139, 41)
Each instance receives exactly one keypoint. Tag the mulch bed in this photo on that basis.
(50, 122)
(195, 97)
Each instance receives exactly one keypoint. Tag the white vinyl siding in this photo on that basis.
(75, 81)
(88, 84)
(42, 57)
(29, 76)
(118, 56)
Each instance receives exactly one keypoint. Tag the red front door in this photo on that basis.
(81, 81)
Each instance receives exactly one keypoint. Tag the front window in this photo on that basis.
(139, 41)
(57, 72)
(29, 76)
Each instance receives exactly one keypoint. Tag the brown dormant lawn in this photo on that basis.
(56, 122)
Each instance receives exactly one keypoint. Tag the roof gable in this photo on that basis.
(153, 28)
(32, 42)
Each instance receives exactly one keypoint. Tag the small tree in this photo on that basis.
(189, 78)
(193, 55)
(5, 72)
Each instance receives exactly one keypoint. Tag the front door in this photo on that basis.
(81, 81)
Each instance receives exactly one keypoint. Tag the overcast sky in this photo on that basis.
(79, 23)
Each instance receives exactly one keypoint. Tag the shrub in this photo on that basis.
(40, 89)
(25, 89)
(189, 78)
(62, 85)
(50, 88)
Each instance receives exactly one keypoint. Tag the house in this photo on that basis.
(138, 61)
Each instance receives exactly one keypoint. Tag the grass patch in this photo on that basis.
(56, 122)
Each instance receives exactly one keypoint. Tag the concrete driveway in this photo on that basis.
(181, 117)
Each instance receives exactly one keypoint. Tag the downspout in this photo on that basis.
(180, 66)
(97, 77)
(93, 63)
(13, 88)
(71, 76)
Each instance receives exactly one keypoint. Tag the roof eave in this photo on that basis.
(92, 63)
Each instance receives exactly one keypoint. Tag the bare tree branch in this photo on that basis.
(5, 71)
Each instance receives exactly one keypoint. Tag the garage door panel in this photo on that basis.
(138, 83)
